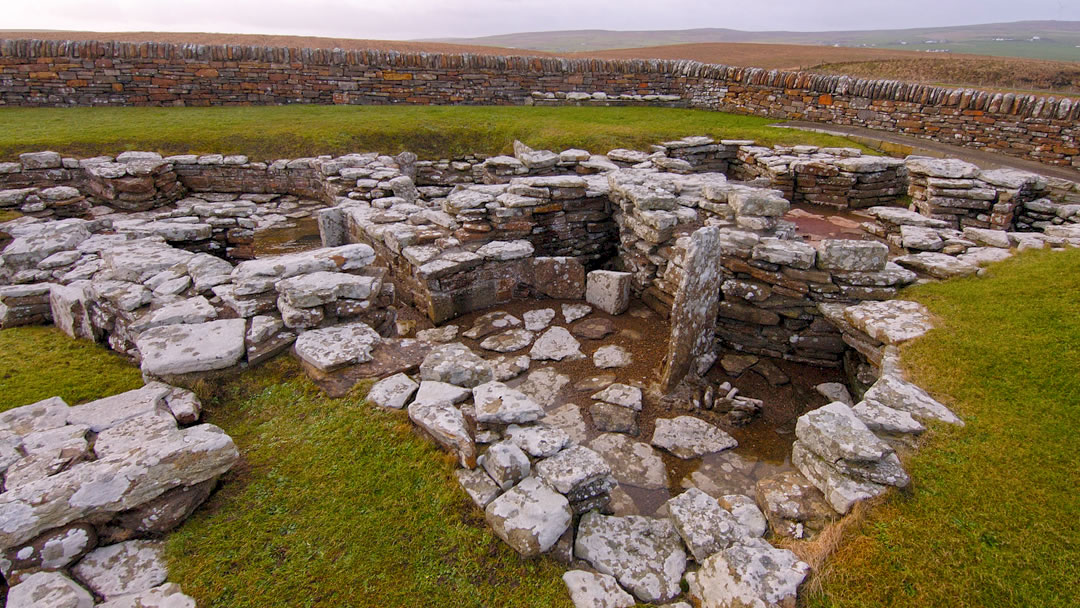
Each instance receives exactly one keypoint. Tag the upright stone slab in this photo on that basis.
(609, 291)
(693, 317)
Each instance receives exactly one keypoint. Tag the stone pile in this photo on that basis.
(963, 195)
(1042, 214)
(71, 536)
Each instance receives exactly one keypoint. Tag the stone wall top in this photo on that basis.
(967, 99)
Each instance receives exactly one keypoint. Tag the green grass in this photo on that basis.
(41, 362)
(994, 516)
(6, 215)
(271, 132)
(338, 504)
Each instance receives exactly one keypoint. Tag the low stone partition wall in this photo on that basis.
(484, 244)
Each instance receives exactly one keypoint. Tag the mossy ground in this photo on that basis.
(993, 518)
(271, 132)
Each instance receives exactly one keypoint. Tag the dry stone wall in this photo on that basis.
(67, 73)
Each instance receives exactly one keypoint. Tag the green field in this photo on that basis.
(272, 132)
(993, 519)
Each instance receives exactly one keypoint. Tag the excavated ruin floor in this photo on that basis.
(764, 444)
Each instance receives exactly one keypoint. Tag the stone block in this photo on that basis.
(609, 291)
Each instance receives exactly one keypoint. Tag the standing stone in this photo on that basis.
(332, 227)
(609, 291)
(70, 310)
(693, 316)
(530, 517)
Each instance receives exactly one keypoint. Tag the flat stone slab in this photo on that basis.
(531, 517)
(621, 394)
(902, 395)
(492, 322)
(748, 574)
(333, 348)
(200, 347)
(646, 555)
(577, 472)
(573, 312)
(937, 265)
(633, 463)
(703, 524)
(834, 432)
(556, 344)
(508, 341)
(689, 437)
(539, 440)
(109, 411)
(612, 356)
(891, 321)
(538, 320)
(456, 363)
(497, 403)
(51, 589)
(393, 392)
(592, 590)
(134, 566)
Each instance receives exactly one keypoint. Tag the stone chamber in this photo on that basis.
(647, 363)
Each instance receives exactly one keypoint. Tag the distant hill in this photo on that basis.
(1056, 40)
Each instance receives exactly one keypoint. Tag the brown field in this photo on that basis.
(997, 73)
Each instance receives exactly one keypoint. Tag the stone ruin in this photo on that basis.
(154, 257)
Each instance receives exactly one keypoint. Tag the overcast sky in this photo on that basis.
(410, 19)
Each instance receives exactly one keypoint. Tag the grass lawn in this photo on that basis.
(994, 519)
(271, 132)
(41, 362)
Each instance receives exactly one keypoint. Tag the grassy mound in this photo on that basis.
(271, 132)
(994, 519)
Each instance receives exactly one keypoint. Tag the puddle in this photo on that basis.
(764, 444)
(288, 237)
